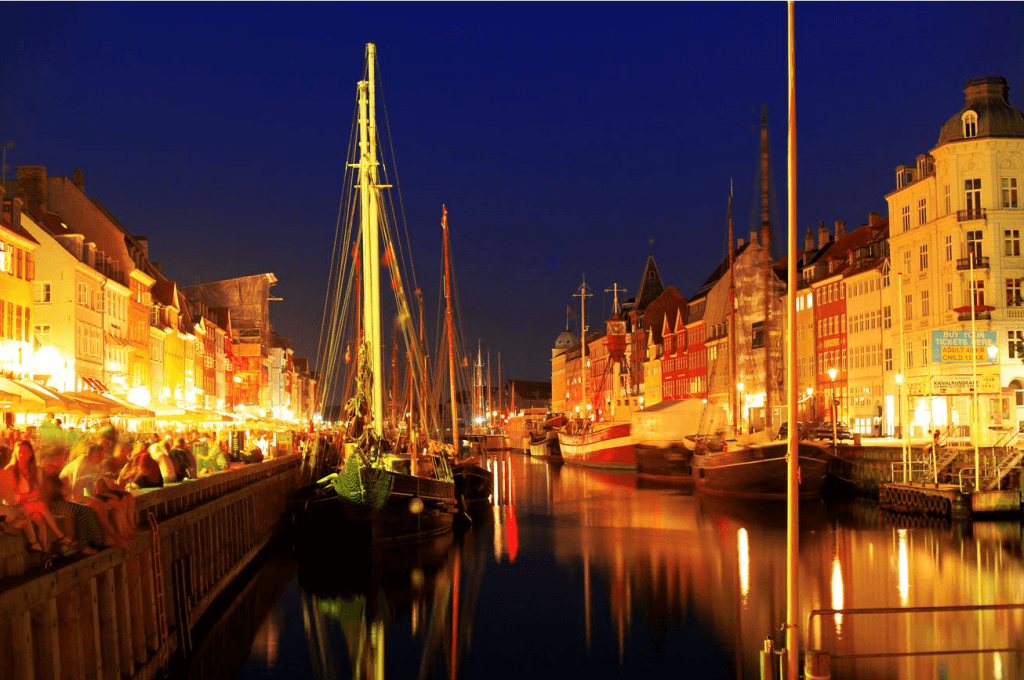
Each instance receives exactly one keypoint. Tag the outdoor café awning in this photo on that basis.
(113, 406)
(57, 402)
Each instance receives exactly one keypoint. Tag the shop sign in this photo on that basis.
(954, 347)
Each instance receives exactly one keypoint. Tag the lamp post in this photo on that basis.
(832, 378)
(899, 420)
(810, 405)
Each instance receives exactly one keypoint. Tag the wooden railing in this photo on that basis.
(97, 617)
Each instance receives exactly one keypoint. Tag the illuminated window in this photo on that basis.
(1010, 192)
(42, 291)
(925, 303)
(1013, 298)
(887, 317)
(906, 261)
(949, 297)
(949, 248)
(946, 198)
(924, 351)
(922, 211)
(888, 358)
(970, 121)
(1015, 345)
(905, 217)
(923, 256)
(1011, 242)
(972, 195)
(908, 307)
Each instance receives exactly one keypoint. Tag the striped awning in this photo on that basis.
(95, 384)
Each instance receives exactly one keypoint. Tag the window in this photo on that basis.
(906, 261)
(923, 256)
(1018, 391)
(1011, 242)
(924, 351)
(970, 120)
(19, 268)
(908, 307)
(972, 195)
(974, 245)
(949, 297)
(905, 216)
(1013, 293)
(1015, 344)
(1010, 192)
(83, 294)
(888, 358)
(945, 192)
(925, 303)
(42, 336)
(949, 248)
(42, 291)
(979, 293)
(887, 317)
(910, 355)
(922, 211)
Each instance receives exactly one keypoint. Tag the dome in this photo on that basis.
(988, 98)
(565, 340)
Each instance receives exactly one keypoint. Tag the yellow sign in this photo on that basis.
(951, 355)
(953, 384)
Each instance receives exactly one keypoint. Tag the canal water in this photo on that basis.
(575, 572)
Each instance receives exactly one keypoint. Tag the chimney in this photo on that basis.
(823, 235)
(753, 237)
(15, 213)
(872, 218)
(144, 242)
(840, 229)
(32, 180)
(78, 177)
(739, 243)
(809, 240)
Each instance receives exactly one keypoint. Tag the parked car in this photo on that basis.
(824, 431)
(784, 430)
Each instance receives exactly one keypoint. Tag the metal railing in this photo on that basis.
(968, 215)
(917, 470)
(978, 315)
(980, 262)
(911, 610)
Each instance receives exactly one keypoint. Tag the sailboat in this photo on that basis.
(750, 464)
(387, 493)
(473, 483)
(586, 439)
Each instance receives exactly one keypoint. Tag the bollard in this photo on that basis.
(766, 659)
(817, 666)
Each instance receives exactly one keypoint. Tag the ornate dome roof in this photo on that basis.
(565, 340)
(988, 98)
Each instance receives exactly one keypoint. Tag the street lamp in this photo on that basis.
(832, 378)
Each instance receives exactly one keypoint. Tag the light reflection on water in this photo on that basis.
(579, 569)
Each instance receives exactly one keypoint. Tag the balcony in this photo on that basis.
(970, 215)
(981, 313)
(964, 263)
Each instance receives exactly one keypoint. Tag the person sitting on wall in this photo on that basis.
(141, 472)
(28, 479)
(184, 460)
(89, 484)
(13, 517)
(162, 455)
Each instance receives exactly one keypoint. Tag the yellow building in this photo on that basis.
(17, 272)
(957, 266)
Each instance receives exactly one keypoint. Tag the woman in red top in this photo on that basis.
(28, 479)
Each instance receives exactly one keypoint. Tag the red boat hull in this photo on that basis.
(609, 445)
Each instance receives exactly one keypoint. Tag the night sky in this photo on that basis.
(562, 137)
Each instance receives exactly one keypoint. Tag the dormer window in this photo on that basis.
(970, 120)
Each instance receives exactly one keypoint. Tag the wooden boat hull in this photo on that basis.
(759, 471)
(496, 442)
(474, 483)
(609, 445)
(396, 520)
(668, 463)
(546, 446)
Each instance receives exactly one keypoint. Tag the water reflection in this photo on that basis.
(572, 568)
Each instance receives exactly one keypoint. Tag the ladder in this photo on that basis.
(158, 578)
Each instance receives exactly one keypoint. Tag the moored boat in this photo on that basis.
(600, 444)
(473, 482)
(758, 470)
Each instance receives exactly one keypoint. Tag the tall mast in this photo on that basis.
(478, 383)
(370, 232)
(448, 329)
(489, 423)
(766, 230)
(424, 424)
(734, 406)
(500, 400)
(583, 295)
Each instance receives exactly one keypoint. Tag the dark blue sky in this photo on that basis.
(561, 136)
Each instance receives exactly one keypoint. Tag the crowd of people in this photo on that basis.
(88, 478)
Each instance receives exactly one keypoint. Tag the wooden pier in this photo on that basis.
(122, 613)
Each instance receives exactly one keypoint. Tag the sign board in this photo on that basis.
(953, 384)
(954, 347)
